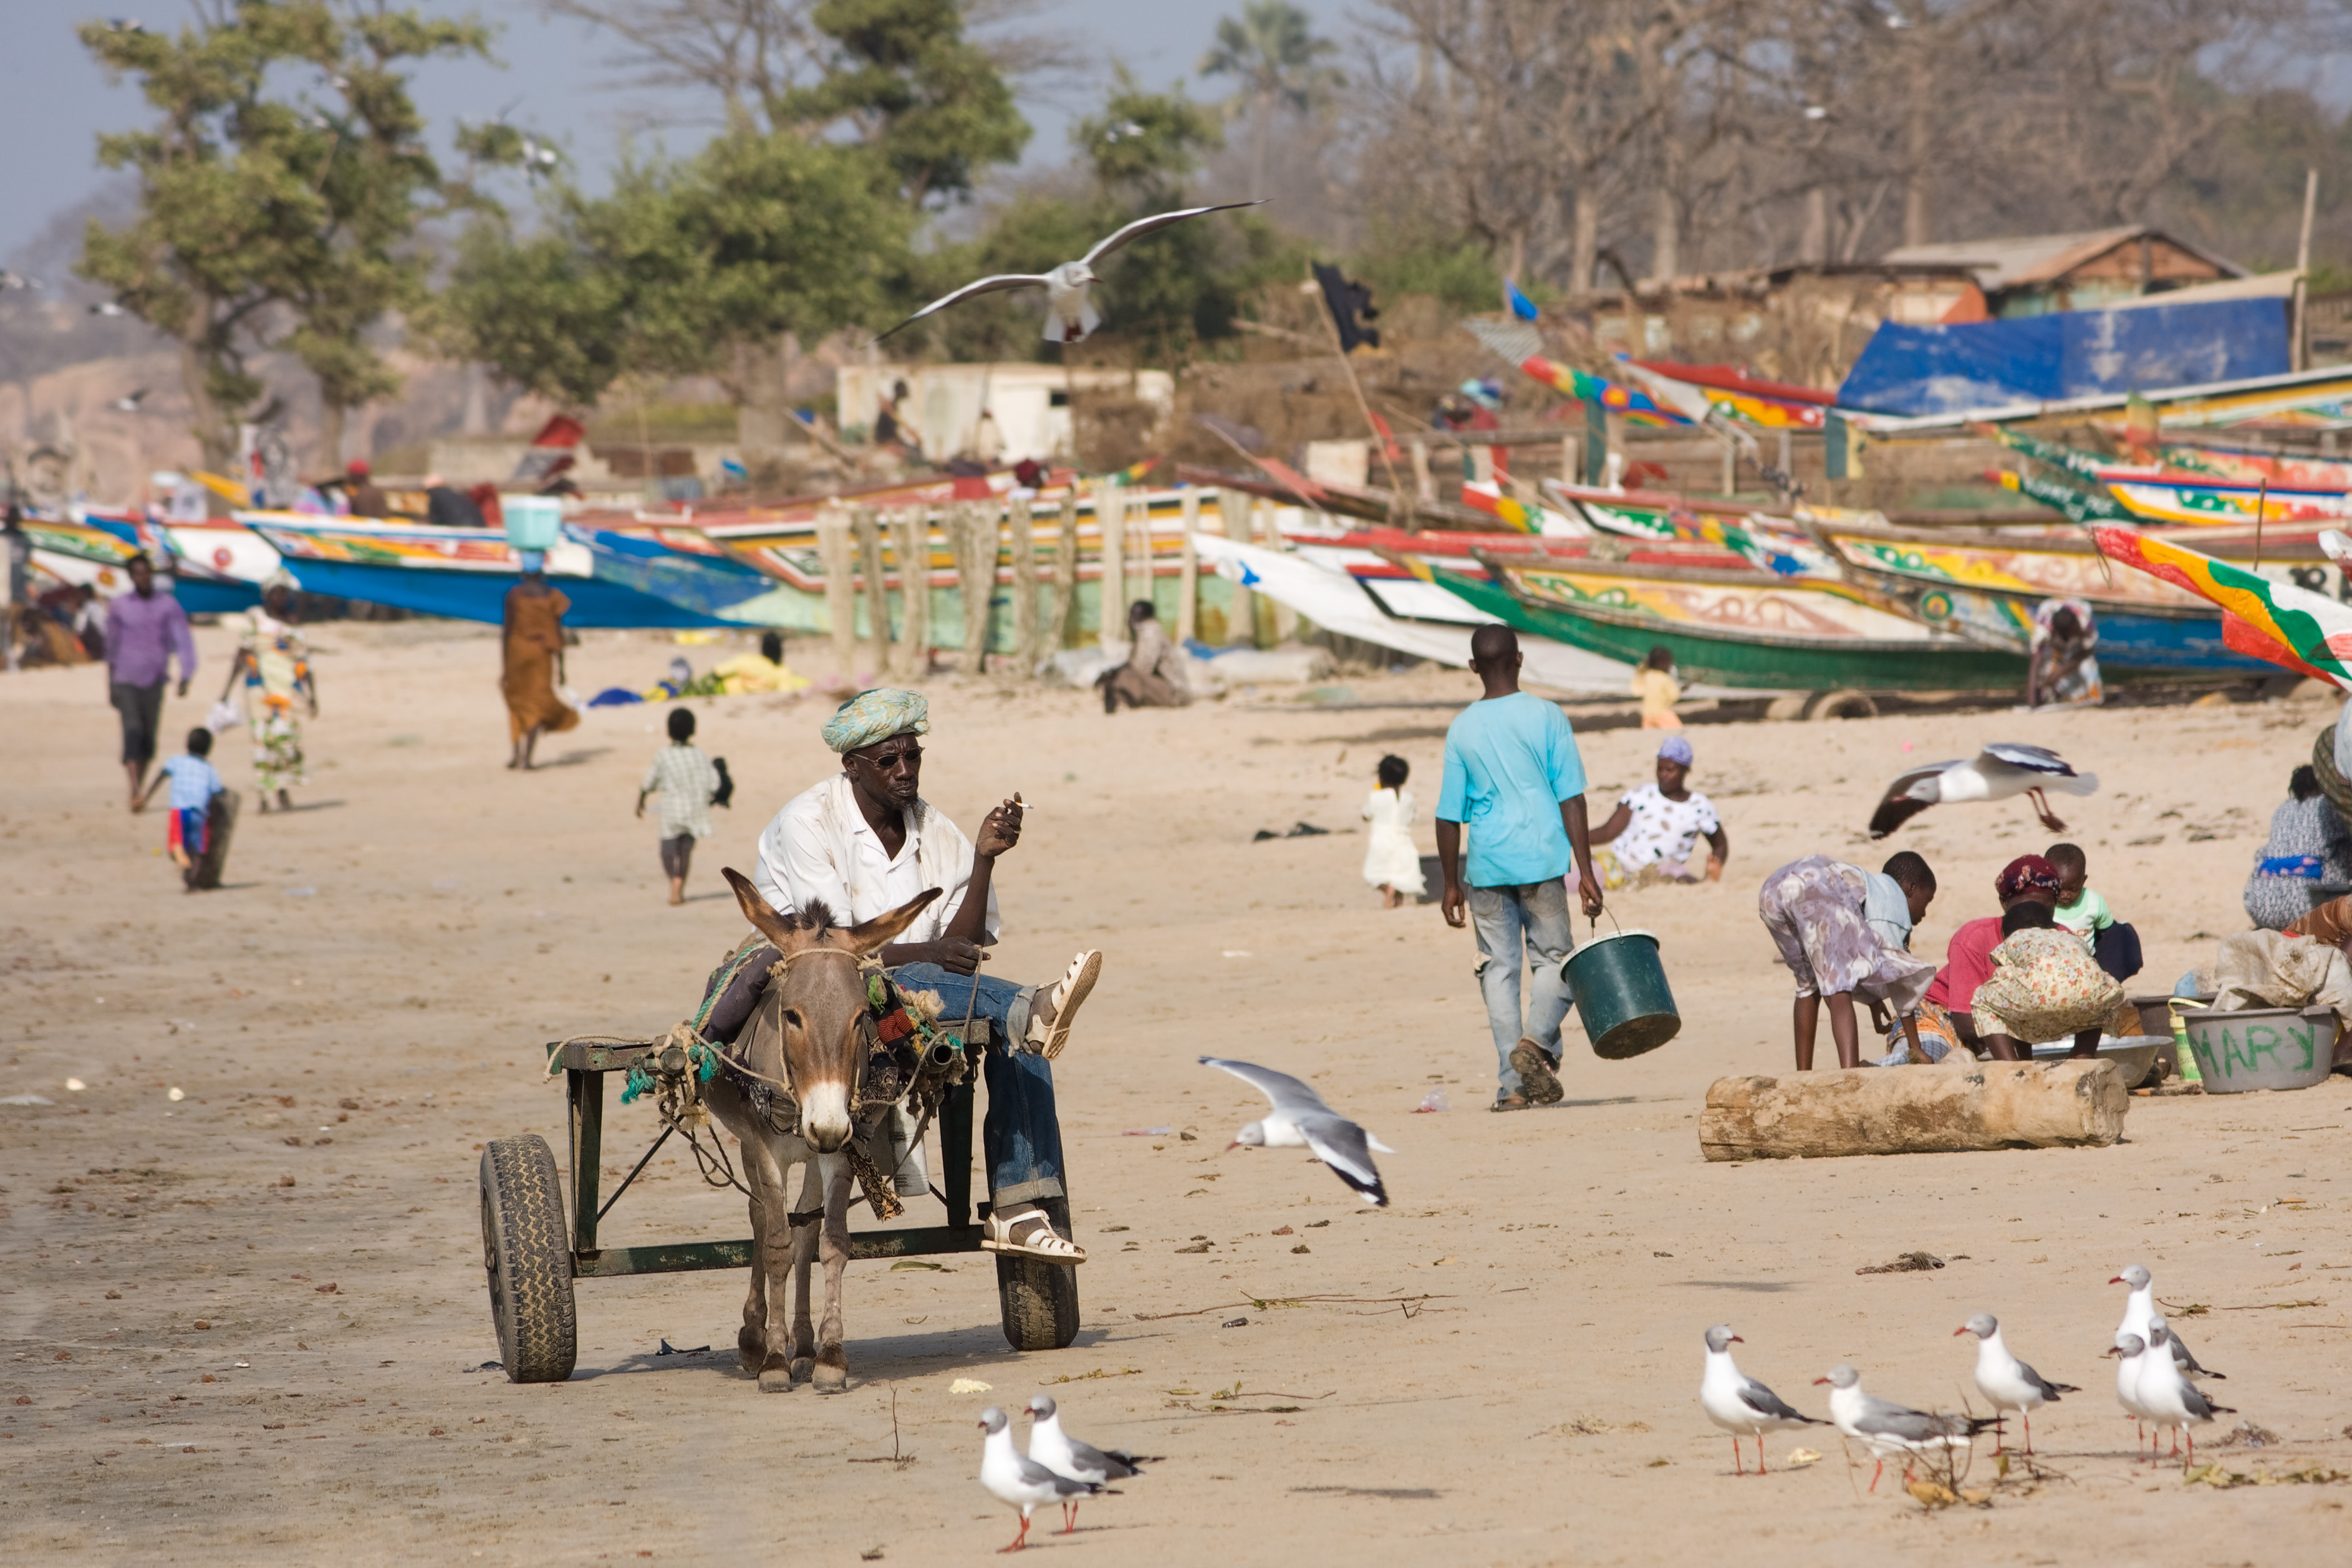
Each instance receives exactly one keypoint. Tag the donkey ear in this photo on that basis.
(884, 928)
(758, 911)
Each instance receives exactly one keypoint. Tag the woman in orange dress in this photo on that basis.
(533, 660)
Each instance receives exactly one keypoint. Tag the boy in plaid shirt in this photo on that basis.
(686, 781)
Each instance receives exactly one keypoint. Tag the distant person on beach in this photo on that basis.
(145, 629)
(1515, 780)
(1392, 864)
(1654, 684)
(366, 496)
(2063, 669)
(1654, 829)
(194, 782)
(15, 585)
(1817, 912)
(2305, 862)
(687, 782)
(1153, 676)
(533, 660)
(749, 674)
(275, 664)
(447, 506)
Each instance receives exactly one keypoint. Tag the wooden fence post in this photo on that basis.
(912, 537)
(1021, 523)
(1286, 618)
(840, 558)
(1241, 613)
(1066, 572)
(1110, 587)
(868, 525)
(1188, 571)
(976, 574)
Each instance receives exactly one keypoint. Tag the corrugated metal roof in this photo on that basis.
(2019, 259)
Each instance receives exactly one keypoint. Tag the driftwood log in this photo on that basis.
(1914, 1110)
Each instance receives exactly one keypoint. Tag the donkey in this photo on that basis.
(806, 1032)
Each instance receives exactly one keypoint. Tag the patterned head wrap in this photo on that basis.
(1677, 749)
(2029, 875)
(870, 717)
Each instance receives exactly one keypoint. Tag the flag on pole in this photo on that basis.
(1351, 307)
(1520, 305)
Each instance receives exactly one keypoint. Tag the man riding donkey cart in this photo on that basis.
(860, 867)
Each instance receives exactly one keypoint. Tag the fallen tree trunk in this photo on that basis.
(1914, 1110)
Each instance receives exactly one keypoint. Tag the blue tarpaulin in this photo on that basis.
(2074, 353)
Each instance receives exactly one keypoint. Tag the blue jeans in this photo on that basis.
(1020, 1138)
(1528, 921)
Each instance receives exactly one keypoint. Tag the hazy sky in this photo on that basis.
(54, 101)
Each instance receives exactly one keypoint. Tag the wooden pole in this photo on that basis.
(913, 540)
(868, 525)
(1241, 612)
(1188, 571)
(976, 574)
(1138, 555)
(1066, 572)
(1379, 443)
(2262, 505)
(2297, 357)
(1110, 584)
(840, 558)
(1286, 618)
(1022, 526)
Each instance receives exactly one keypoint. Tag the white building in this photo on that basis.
(1028, 404)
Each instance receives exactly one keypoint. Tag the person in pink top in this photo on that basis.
(145, 629)
(1967, 960)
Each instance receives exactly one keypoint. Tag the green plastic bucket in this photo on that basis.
(1622, 994)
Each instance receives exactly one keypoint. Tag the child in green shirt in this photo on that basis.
(2080, 910)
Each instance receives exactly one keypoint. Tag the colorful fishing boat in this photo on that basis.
(460, 573)
(1741, 629)
(2284, 624)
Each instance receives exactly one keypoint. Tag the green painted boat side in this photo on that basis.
(1754, 664)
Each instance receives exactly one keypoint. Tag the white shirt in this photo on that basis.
(1887, 909)
(820, 848)
(1662, 829)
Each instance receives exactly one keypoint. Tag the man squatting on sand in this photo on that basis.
(864, 842)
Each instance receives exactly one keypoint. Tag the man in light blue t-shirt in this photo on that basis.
(1513, 776)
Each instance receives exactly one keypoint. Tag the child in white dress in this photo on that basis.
(1392, 864)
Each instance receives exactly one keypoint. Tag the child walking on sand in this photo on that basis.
(1392, 864)
(686, 781)
(194, 781)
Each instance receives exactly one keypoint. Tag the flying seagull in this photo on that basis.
(2008, 1382)
(1885, 1427)
(2001, 770)
(1070, 315)
(108, 307)
(1738, 1402)
(1300, 1119)
(1073, 1460)
(1022, 1482)
(131, 402)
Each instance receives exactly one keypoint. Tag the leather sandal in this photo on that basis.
(1509, 1103)
(1030, 1235)
(1046, 1037)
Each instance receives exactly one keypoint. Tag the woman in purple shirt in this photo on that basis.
(144, 630)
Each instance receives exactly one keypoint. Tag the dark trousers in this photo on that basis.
(676, 855)
(141, 708)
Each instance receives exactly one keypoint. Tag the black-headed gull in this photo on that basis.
(1012, 1477)
(1073, 1460)
(2139, 1312)
(1301, 1120)
(2001, 770)
(1885, 1427)
(2131, 1353)
(1738, 1402)
(2006, 1382)
(1070, 314)
(2168, 1398)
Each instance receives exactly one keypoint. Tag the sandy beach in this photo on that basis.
(247, 1325)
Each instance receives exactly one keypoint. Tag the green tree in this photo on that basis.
(1275, 60)
(756, 235)
(923, 99)
(258, 209)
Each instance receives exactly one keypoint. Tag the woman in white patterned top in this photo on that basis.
(687, 781)
(1657, 826)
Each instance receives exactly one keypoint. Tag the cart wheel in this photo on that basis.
(1039, 1299)
(528, 1254)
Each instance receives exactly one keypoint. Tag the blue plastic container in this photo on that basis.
(533, 522)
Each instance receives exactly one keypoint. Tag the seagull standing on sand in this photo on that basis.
(1073, 1460)
(1070, 313)
(1885, 1427)
(2140, 1316)
(1301, 1120)
(2001, 770)
(1740, 1405)
(2131, 1353)
(1022, 1482)
(2168, 1397)
(2006, 1382)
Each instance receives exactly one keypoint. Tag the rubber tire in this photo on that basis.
(1039, 1299)
(1786, 709)
(527, 1254)
(1841, 705)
